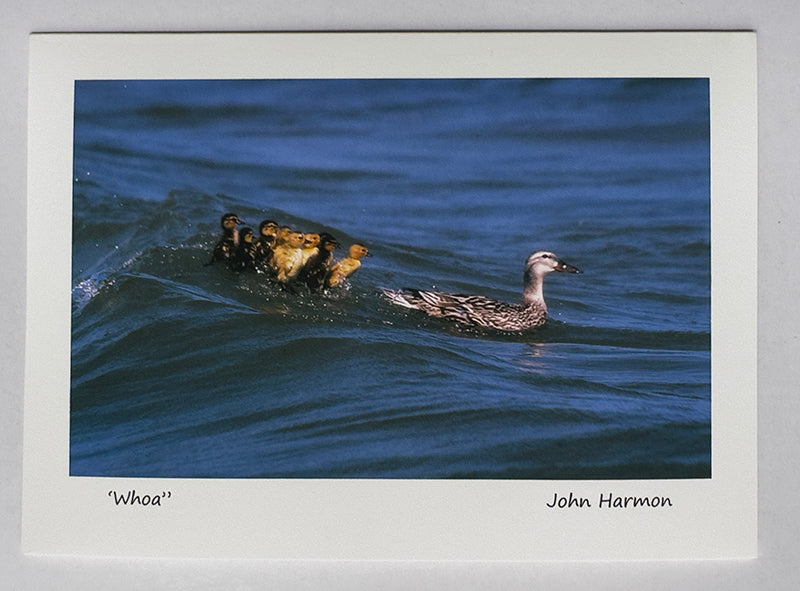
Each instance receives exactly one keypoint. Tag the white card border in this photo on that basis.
(390, 519)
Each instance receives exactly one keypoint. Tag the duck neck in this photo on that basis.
(532, 294)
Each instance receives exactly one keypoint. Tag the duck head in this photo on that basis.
(268, 228)
(295, 240)
(311, 240)
(542, 262)
(359, 251)
(246, 235)
(229, 221)
(539, 264)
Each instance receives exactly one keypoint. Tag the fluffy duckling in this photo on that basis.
(267, 231)
(287, 259)
(245, 257)
(347, 266)
(225, 248)
(318, 266)
(480, 311)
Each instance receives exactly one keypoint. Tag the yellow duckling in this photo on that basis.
(347, 266)
(310, 245)
(287, 259)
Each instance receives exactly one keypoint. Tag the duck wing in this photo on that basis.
(470, 309)
(437, 298)
(446, 300)
(425, 300)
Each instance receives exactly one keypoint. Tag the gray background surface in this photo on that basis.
(775, 21)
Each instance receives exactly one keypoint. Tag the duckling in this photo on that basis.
(245, 257)
(287, 259)
(282, 235)
(267, 230)
(347, 266)
(310, 243)
(480, 311)
(318, 265)
(225, 248)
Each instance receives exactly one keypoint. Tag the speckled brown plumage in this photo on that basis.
(485, 312)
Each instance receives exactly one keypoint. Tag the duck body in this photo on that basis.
(264, 253)
(347, 266)
(476, 310)
(286, 262)
(342, 270)
(315, 270)
(287, 259)
(472, 310)
(224, 249)
(244, 259)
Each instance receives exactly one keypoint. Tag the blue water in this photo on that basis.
(185, 370)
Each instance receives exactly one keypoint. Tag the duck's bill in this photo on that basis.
(567, 268)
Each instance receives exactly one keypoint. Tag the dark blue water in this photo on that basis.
(186, 370)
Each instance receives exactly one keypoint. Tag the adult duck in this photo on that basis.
(476, 310)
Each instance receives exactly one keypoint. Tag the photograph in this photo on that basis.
(423, 278)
